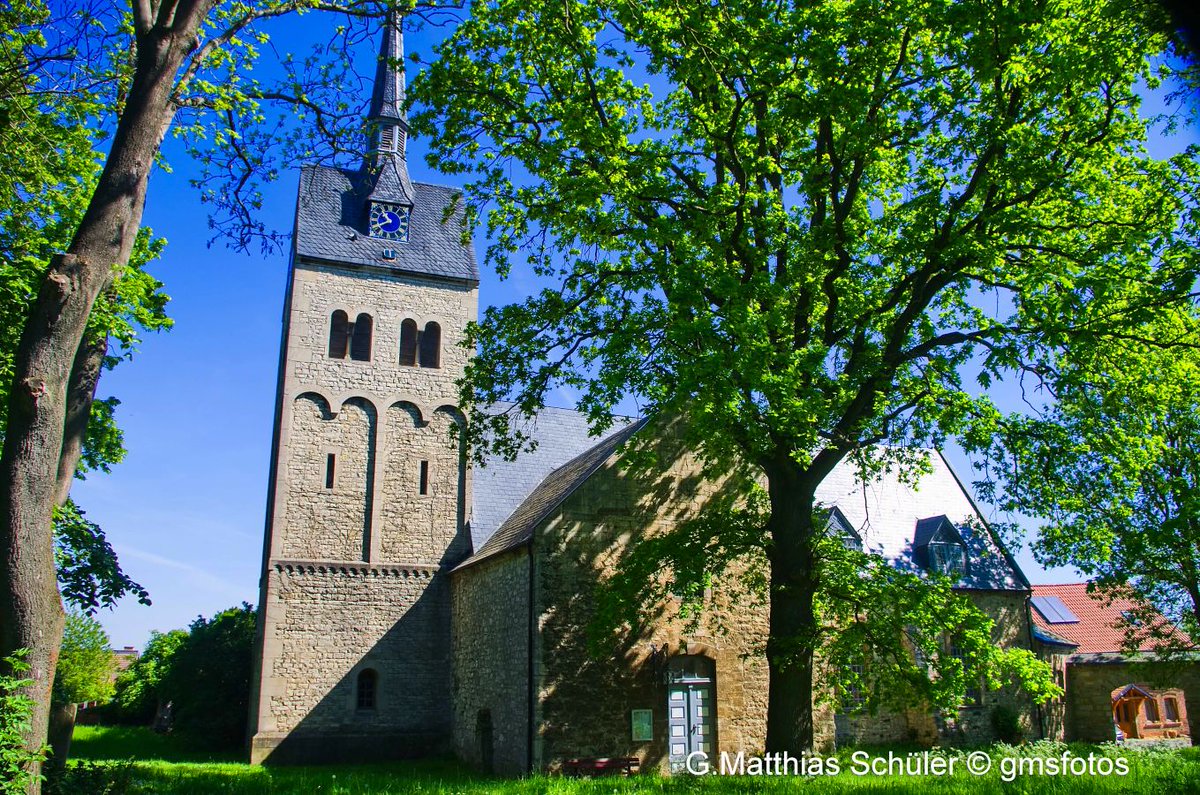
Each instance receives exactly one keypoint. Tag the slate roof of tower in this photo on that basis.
(331, 226)
(501, 487)
(393, 184)
(387, 92)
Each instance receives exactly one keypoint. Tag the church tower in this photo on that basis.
(369, 490)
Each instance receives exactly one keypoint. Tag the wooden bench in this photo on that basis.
(607, 766)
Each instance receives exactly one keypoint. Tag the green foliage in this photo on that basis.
(915, 640)
(93, 778)
(1006, 724)
(203, 673)
(16, 713)
(89, 575)
(1153, 772)
(1111, 467)
(208, 679)
(776, 216)
(51, 147)
(798, 225)
(139, 688)
(85, 662)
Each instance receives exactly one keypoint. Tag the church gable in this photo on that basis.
(909, 525)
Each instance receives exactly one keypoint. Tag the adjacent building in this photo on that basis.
(1113, 692)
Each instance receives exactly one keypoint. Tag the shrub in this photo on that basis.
(208, 682)
(16, 716)
(139, 687)
(93, 778)
(1006, 724)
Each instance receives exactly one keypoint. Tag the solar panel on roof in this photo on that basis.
(1053, 610)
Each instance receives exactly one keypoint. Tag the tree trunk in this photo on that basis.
(62, 726)
(81, 391)
(31, 615)
(793, 624)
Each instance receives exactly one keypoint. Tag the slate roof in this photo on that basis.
(928, 527)
(331, 226)
(888, 514)
(387, 94)
(1050, 638)
(539, 503)
(392, 183)
(500, 487)
(1098, 629)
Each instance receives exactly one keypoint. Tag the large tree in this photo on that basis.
(143, 66)
(53, 164)
(1112, 466)
(795, 223)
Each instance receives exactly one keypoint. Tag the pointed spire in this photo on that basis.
(388, 121)
(387, 99)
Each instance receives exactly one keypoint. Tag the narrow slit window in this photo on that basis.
(330, 461)
(424, 484)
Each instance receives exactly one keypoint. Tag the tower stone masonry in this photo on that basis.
(367, 504)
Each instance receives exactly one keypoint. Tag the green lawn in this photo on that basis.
(167, 766)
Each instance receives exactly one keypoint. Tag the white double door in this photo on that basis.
(690, 708)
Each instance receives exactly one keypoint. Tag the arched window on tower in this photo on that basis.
(339, 332)
(408, 343)
(366, 691)
(360, 338)
(431, 345)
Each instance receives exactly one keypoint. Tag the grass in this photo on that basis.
(167, 766)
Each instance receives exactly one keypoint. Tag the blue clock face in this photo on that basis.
(389, 221)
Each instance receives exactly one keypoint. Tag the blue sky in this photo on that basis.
(185, 510)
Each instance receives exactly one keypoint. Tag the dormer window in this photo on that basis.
(839, 527)
(389, 221)
(940, 548)
(949, 559)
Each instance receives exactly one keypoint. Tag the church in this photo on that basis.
(413, 604)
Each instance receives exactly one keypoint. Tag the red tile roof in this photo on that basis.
(1099, 628)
